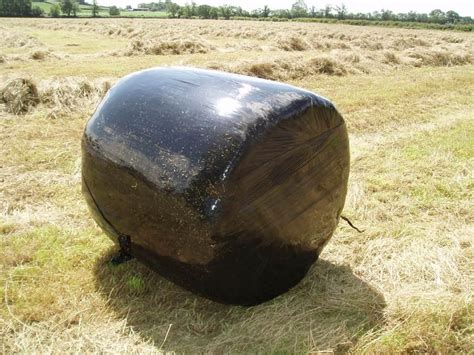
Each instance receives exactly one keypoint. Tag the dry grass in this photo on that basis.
(173, 47)
(287, 70)
(403, 286)
(62, 97)
(39, 55)
(377, 49)
(282, 51)
(68, 95)
(19, 95)
(292, 43)
(439, 58)
(14, 39)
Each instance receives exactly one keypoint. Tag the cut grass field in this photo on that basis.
(404, 285)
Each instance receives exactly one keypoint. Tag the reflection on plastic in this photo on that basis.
(227, 106)
(228, 185)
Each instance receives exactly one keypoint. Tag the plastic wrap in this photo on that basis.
(228, 185)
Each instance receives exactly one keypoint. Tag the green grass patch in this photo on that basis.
(456, 141)
(65, 41)
(44, 5)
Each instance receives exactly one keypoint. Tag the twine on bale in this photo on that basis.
(351, 225)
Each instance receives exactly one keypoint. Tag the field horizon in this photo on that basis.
(404, 285)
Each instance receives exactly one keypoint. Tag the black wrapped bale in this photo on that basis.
(228, 185)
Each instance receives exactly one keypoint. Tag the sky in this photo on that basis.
(463, 7)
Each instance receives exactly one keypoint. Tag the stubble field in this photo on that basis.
(404, 285)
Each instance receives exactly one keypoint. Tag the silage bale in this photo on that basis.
(228, 185)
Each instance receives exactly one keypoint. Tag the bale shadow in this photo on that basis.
(329, 309)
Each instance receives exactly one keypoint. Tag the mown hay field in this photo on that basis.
(404, 285)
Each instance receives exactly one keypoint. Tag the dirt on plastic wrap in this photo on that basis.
(228, 185)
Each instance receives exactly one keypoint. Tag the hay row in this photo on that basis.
(167, 47)
(370, 48)
(13, 39)
(61, 97)
(340, 63)
(284, 36)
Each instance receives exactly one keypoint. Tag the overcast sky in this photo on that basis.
(463, 7)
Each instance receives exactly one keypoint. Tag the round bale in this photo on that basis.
(228, 185)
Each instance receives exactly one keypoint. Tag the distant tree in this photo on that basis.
(66, 7)
(214, 14)
(15, 7)
(226, 11)
(422, 18)
(411, 16)
(299, 9)
(75, 8)
(55, 10)
(128, 7)
(161, 6)
(361, 16)
(238, 11)
(341, 11)
(6, 7)
(204, 11)
(466, 19)
(114, 11)
(172, 8)
(95, 8)
(24, 7)
(399, 17)
(281, 13)
(327, 11)
(186, 11)
(386, 15)
(37, 11)
(437, 16)
(189, 10)
(452, 16)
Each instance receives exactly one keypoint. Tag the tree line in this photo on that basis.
(299, 10)
(16, 8)
(69, 8)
